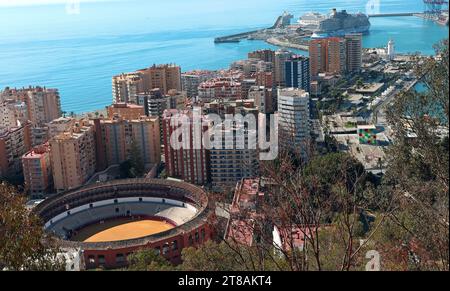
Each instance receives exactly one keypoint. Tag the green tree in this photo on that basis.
(134, 167)
(148, 260)
(230, 256)
(138, 166)
(359, 83)
(23, 242)
(417, 177)
(333, 168)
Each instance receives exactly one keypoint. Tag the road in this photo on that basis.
(378, 111)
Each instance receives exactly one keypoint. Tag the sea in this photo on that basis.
(79, 50)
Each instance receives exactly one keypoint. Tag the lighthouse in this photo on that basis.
(391, 49)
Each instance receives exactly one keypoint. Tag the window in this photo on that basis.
(101, 259)
(174, 245)
(191, 241)
(117, 210)
(166, 248)
(120, 259)
(197, 237)
(203, 234)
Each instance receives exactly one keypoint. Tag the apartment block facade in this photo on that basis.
(294, 120)
(231, 164)
(336, 55)
(189, 163)
(14, 143)
(117, 136)
(298, 73)
(73, 156)
(220, 88)
(125, 87)
(37, 171)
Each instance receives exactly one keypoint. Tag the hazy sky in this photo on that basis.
(38, 2)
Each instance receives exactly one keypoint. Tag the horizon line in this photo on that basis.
(29, 3)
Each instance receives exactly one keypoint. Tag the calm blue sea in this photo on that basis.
(43, 45)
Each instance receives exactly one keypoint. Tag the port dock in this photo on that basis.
(234, 37)
(393, 14)
(281, 22)
(271, 34)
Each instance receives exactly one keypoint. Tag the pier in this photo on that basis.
(234, 37)
(394, 14)
(281, 22)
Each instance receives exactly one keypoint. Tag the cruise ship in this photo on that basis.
(337, 23)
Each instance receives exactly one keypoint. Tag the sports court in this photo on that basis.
(120, 229)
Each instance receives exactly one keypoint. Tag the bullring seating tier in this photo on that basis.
(177, 214)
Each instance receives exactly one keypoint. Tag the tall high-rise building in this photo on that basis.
(37, 171)
(327, 55)
(190, 83)
(43, 105)
(281, 57)
(265, 79)
(230, 165)
(189, 164)
(73, 156)
(318, 56)
(155, 102)
(37, 105)
(165, 77)
(246, 84)
(294, 120)
(354, 52)
(145, 134)
(14, 143)
(13, 113)
(117, 136)
(125, 87)
(337, 56)
(263, 98)
(298, 73)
